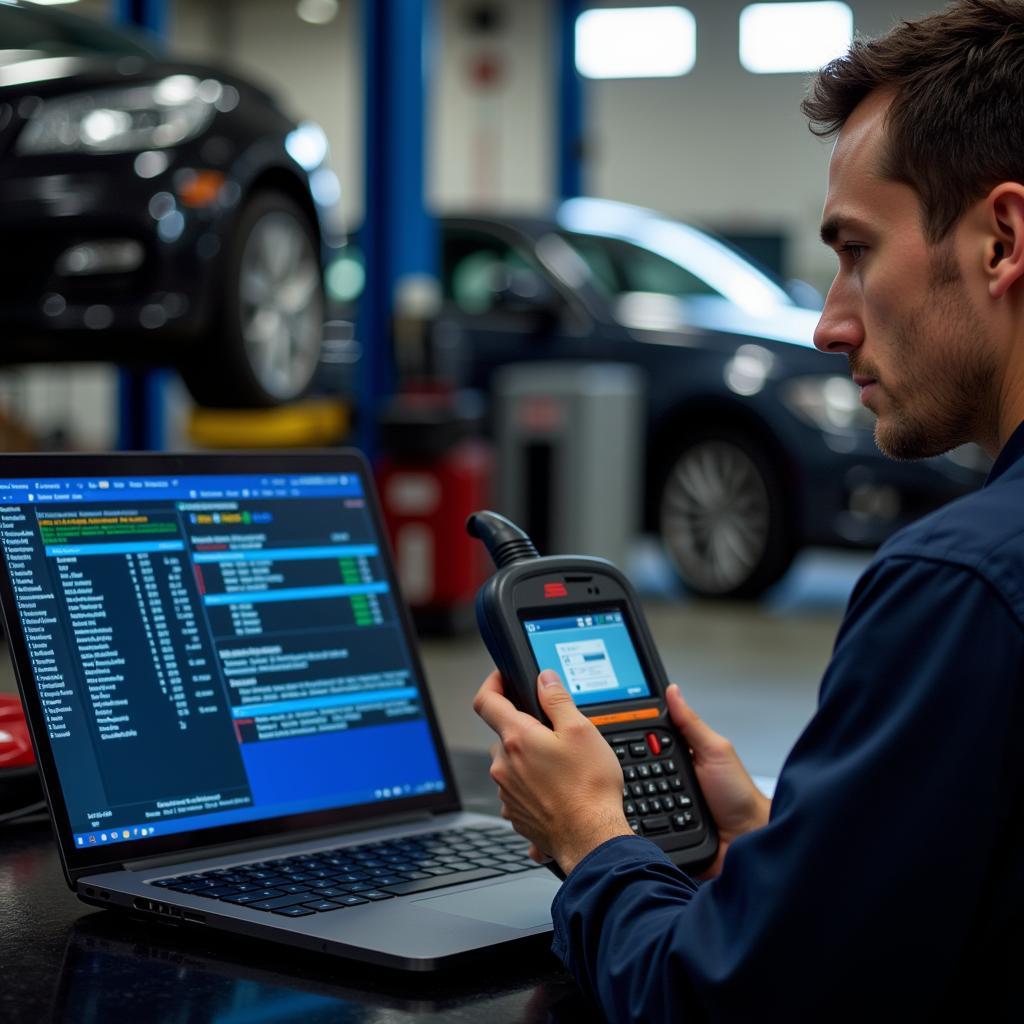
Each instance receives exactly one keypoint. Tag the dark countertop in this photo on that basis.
(62, 961)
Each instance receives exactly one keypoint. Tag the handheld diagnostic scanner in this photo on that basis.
(581, 617)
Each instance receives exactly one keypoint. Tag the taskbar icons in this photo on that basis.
(114, 835)
(391, 792)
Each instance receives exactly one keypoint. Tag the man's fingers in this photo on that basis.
(555, 699)
(491, 704)
(492, 684)
(701, 738)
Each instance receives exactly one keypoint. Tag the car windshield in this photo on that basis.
(620, 267)
(633, 250)
(27, 34)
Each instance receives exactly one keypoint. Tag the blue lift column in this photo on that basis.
(570, 139)
(398, 237)
(141, 392)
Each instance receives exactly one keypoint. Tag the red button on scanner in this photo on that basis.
(654, 744)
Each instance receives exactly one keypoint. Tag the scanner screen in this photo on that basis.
(593, 652)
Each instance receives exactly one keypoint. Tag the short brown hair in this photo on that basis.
(955, 127)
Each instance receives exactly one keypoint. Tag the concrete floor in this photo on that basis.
(751, 671)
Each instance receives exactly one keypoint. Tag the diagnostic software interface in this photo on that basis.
(212, 650)
(592, 652)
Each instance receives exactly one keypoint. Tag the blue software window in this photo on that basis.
(214, 650)
(592, 652)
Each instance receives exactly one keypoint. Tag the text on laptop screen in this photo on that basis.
(213, 650)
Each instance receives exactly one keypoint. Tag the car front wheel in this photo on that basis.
(267, 346)
(723, 517)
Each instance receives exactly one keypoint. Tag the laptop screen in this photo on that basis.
(211, 650)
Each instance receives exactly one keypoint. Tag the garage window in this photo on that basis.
(793, 37)
(636, 42)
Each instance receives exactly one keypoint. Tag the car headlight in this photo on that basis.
(828, 403)
(126, 120)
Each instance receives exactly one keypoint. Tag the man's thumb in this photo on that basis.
(698, 735)
(554, 697)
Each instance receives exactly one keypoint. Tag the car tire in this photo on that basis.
(266, 347)
(723, 516)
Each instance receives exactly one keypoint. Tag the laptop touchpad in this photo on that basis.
(523, 903)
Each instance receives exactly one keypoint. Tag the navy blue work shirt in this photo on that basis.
(889, 881)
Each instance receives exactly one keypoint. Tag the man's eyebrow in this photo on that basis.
(834, 225)
(830, 230)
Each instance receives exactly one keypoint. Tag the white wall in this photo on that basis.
(493, 146)
(488, 146)
(719, 146)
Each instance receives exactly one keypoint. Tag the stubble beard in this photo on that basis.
(943, 369)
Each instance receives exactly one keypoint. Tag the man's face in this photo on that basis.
(899, 308)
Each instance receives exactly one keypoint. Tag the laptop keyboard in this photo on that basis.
(351, 876)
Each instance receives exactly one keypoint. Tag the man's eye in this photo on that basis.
(851, 249)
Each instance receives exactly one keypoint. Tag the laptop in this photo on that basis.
(232, 724)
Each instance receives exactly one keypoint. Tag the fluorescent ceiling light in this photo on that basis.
(317, 12)
(792, 37)
(51, 3)
(636, 42)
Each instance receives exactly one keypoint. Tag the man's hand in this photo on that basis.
(736, 804)
(561, 787)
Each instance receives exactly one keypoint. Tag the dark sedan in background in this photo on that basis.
(756, 443)
(156, 212)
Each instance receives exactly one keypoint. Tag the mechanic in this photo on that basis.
(885, 880)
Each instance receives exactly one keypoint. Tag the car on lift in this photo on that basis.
(756, 443)
(157, 212)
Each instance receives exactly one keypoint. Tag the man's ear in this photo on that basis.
(1004, 253)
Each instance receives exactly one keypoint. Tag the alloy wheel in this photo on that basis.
(280, 305)
(715, 516)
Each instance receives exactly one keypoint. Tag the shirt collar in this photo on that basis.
(1011, 453)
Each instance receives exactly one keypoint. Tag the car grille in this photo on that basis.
(29, 277)
(24, 278)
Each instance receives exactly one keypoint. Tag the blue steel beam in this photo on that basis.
(147, 14)
(399, 237)
(141, 392)
(570, 147)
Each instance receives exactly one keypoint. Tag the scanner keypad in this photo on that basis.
(655, 795)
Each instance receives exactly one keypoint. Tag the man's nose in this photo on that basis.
(840, 329)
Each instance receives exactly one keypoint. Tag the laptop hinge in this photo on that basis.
(226, 849)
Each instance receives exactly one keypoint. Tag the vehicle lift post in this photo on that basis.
(399, 236)
(141, 392)
(571, 132)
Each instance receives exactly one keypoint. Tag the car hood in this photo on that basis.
(46, 76)
(791, 325)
